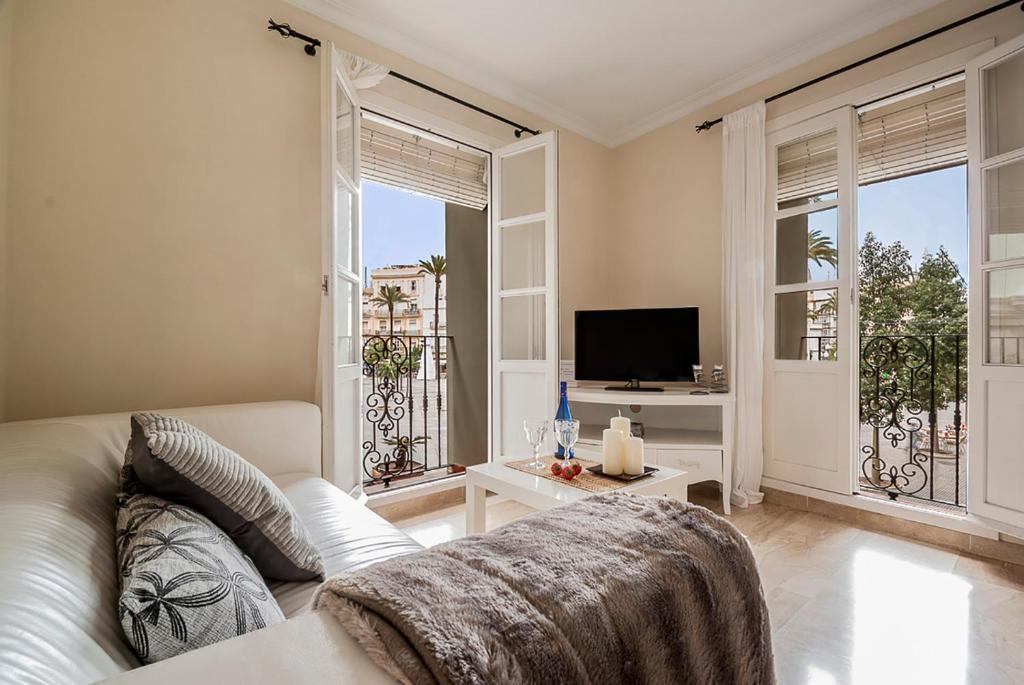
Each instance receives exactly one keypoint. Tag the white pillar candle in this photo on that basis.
(621, 424)
(633, 456)
(611, 451)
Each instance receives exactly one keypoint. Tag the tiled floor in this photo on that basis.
(853, 606)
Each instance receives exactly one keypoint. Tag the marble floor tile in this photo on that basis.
(851, 605)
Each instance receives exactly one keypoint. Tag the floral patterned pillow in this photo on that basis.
(183, 583)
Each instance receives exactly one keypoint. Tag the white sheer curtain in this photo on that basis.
(743, 172)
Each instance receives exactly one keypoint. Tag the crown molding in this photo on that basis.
(766, 69)
(339, 13)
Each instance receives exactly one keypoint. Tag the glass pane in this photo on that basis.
(522, 327)
(1004, 324)
(1004, 211)
(344, 235)
(808, 170)
(345, 124)
(806, 325)
(522, 256)
(806, 247)
(522, 184)
(1004, 102)
(344, 302)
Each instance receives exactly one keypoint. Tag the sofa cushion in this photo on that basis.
(184, 583)
(179, 462)
(349, 534)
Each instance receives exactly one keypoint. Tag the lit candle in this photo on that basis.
(633, 456)
(621, 424)
(611, 451)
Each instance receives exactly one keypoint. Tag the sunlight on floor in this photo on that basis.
(909, 621)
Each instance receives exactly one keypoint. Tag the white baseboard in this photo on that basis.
(969, 524)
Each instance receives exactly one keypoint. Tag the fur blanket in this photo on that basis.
(615, 588)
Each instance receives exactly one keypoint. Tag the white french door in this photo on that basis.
(342, 255)
(810, 257)
(995, 129)
(524, 288)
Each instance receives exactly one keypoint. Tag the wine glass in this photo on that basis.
(536, 431)
(567, 432)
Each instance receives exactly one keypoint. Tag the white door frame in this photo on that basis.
(995, 451)
(548, 367)
(839, 478)
(335, 455)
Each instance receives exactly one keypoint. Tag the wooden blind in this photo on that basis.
(405, 161)
(920, 132)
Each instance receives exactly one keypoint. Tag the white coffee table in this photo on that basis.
(543, 493)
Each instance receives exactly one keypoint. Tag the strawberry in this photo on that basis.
(568, 473)
(556, 469)
(576, 468)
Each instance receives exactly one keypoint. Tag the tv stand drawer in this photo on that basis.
(700, 465)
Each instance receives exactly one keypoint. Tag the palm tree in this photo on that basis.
(389, 296)
(820, 249)
(436, 266)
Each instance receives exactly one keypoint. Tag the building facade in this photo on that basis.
(412, 318)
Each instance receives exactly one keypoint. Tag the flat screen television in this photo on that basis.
(637, 345)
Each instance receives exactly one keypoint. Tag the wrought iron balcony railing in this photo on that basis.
(913, 400)
(405, 412)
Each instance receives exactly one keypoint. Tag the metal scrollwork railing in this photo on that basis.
(906, 382)
(404, 406)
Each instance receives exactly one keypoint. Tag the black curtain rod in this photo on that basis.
(878, 55)
(313, 43)
(519, 128)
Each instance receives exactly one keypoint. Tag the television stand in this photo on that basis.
(634, 386)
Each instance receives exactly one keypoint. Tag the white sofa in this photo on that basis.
(58, 586)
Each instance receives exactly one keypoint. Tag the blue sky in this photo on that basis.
(923, 212)
(399, 227)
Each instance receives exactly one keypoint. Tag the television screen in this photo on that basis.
(637, 344)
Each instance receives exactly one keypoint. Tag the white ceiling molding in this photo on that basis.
(578, 119)
(335, 12)
(770, 68)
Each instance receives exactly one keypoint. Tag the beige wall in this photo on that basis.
(667, 209)
(164, 223)
(5, 101)
(162, 229)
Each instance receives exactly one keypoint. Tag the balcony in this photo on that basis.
(405, 410)
(913, 426)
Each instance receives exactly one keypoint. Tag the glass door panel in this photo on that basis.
(346, 114)
(806, 247)
(522, 256)
(1004, 210)
(1004, 105)
(523, 184)
(522, 328)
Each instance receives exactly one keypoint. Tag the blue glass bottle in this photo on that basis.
(564, 414)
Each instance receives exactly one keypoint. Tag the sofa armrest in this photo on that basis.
(309, 648)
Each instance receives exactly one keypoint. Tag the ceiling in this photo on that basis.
(611, 69)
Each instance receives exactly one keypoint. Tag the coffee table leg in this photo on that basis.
(476, 509)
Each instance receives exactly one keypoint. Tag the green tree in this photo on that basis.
(885, 276)
(938, 304)
(436, 266)
(389, 296)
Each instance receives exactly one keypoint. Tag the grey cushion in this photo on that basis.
(183, 583)
(175, 460)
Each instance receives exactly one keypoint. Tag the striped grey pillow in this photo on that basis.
(179, 462)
